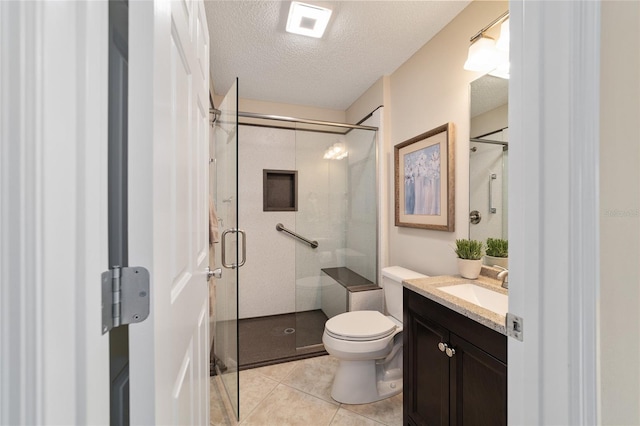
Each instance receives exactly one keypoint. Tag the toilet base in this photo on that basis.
(365, 381)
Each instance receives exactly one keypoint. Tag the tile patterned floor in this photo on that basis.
(298, 393)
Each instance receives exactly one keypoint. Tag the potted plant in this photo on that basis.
(497, 253)
(469, 258)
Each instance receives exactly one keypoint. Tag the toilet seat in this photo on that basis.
(360, 326)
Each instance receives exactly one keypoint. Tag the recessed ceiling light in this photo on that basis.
(307, 19)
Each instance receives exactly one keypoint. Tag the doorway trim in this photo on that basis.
(54, 365)
(554, 277)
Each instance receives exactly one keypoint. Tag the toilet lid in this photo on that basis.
(360, 325)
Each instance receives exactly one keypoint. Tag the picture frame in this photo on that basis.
(425, 180)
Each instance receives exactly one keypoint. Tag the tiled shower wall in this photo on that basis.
(267, 280)
(336, 201)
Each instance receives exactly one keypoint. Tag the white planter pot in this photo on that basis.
(496, 261)
(469, 268)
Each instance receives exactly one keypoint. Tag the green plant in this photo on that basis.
(469, 249)
(497, 247)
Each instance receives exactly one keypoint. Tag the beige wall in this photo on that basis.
(490, 121)
(428, 90)
(619, 214)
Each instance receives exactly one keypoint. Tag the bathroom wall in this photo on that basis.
(267, 280)
(619, 213)
(428, 90)
(490, 121)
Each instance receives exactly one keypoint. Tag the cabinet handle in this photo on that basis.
(450, 352)
(442, 346)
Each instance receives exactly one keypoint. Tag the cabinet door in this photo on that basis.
(426, 400)
(478, 386)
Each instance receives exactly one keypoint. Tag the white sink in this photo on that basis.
(485, 298)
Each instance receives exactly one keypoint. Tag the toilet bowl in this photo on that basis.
(368, 346)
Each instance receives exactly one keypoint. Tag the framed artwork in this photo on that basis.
(424, 180)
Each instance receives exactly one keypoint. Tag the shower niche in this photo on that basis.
(280, 190)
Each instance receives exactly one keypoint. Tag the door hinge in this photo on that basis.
(125, 296)
(515, 326)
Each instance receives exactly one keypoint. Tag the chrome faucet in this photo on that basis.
(503, 275)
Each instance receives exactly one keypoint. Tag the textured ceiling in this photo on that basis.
(364, 41)
(487, 93)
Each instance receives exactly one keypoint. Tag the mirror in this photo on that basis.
(488, 158)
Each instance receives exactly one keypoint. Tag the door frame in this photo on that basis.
(553, 211)
(54, 360)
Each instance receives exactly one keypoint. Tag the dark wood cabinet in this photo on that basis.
(455, 369)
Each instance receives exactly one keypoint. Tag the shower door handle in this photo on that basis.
(244, 247)
(223, 248)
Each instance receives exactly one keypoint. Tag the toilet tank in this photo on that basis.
(392, 278)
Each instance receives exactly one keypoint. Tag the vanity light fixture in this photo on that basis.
(502, 45)
(485, 55)
(307, 19)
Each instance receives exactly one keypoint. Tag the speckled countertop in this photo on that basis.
(428, 287)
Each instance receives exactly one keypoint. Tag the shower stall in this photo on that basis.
(294, 204)
(307, 202)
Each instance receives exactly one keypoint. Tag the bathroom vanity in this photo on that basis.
(455, 355)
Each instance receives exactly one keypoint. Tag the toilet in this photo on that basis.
(368, 345)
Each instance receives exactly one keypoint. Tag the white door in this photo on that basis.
(168, 209)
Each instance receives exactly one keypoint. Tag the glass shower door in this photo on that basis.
(225, 196)
(320, 193)
(337, 208)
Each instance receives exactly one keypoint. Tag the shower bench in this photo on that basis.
(344, 290)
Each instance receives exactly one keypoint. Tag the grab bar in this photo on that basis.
(492, 177)
(281, 228)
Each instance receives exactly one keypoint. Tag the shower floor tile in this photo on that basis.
(272, 339)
